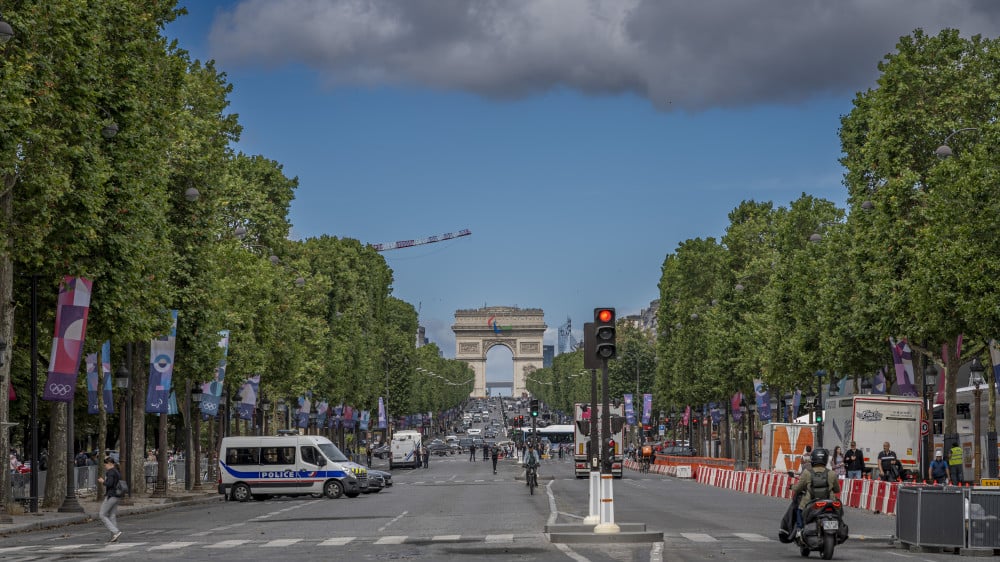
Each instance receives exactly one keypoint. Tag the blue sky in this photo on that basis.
(580, 141)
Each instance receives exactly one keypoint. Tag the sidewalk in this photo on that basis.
(140, 503)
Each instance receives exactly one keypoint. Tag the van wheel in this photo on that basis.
(333, 489)
(241, 492)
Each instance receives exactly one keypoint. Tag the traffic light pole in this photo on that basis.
(607, 521)
(594, 517)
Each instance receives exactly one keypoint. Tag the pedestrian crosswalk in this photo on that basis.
(39, 551)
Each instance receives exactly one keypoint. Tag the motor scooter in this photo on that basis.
(824, 526)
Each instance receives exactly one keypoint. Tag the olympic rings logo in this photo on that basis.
(60, 389)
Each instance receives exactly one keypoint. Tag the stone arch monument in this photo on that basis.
(518, 329)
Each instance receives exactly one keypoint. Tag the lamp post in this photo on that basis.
(265, 405)
(976, 379)
(70, 503)
(196, 441)
(122, 378)
(930, 383)
(34, 391)
(819, 407)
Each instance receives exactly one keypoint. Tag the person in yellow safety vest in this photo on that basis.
(956, 459)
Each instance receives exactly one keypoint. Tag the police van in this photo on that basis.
(403, 449)
(294, 465)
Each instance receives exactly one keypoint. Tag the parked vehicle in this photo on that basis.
(871, 420)
(297, 465)
(386, 476)
(404, 445)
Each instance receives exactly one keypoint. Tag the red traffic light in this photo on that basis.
(611, 444)
(605, 315)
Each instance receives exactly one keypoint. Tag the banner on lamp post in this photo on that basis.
(212, 390)
(72, 308)
(161, 369)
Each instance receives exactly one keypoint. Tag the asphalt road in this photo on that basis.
(459, 510)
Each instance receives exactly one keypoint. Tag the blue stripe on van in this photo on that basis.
(283, 474)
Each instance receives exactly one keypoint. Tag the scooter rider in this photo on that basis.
(817, 484)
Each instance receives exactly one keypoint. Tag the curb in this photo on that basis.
(73, 519)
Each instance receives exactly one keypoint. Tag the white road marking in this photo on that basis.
(499, 538)
(280, 542)
(699, 537)
(336, 541)
(752, 537)
(569, 552)
(171, 546)
(446, 537)
(64, 547)
(227, 544)
(393, 520)
(392, 539)
(656, 553)
(113, 547)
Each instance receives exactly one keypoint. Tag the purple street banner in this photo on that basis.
(381, 414)
(686, 418)
(878, 385)
(93, 378)
(647, 408)
(348, 417)
(365, 420)
(902, 358)
(72, 309)
(734, 406)
(161, 369)
(338, 416)
(629, 410)
(212, 390)
(248, 397)
(796, 402)
(716, 413)
(763, 396)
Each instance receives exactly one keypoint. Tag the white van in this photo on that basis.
(402, 448)
(293, 465)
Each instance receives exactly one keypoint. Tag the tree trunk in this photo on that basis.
(951, 396)
(139, 382)
(6, 333)
(55, 473)
(102, 426)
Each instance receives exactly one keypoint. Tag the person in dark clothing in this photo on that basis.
(416, 455)
(486, 452)
(854, 461)
(495, 454)
(472, 452)
(888, 464)
(427, 456)
(109, 509)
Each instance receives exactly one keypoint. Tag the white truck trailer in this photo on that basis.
(870, 420)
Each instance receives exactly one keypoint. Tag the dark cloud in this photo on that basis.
(680, 54)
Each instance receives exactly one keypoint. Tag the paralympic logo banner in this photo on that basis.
(212, 391)
(381, 414)
(161, 369)
(763, 400)
(67, 343)
(629, 410)
(248, 397)
(93, 380)
(647, 408)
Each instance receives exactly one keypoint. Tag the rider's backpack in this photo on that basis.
(647, 451)
(820, 488)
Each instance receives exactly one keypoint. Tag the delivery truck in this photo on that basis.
(871, 420)
(783, 444)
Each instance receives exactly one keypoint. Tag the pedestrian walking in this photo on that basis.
(416, 454)
(939, 468)
(805, 463)
(427, 456)
(854, 461)
(837, 462)
(368, 455)
(495, 454)
(956, 459)
(109, 508)
(888, 464)
(472, 452)
(486, 452)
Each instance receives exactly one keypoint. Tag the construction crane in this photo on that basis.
(429, 240)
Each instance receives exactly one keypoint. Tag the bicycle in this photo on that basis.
(644, 467)
(532, 477)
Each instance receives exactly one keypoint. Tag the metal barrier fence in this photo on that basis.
(948, 517)
(85, 478)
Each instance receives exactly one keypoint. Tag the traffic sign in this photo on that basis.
(925, 427)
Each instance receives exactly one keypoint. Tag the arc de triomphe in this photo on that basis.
(518, 329)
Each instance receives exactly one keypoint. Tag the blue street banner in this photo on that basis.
(647, 408)
(161, 369)
(212, 390)
(365, 419)
(878, 385)
(302, 412)
(796, 402)
(338, 416)
(715, 412)
(172, 409)
(763, 396)
(94, 368)
(381, 414)
(322, 411)
(629, 410)
(248, 397)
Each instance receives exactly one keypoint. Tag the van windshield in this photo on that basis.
(332, 452)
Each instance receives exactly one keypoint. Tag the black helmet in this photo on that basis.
(819, 457)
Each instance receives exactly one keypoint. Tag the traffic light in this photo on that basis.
(611, 446)
(534, 407)
(819, 411)
(604, 331)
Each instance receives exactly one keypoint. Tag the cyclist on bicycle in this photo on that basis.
(647, 456)
(531, 462)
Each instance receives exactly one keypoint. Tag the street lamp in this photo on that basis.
(122, 379)
(196, 396)
(6, 33)
(930, 383)
(945, 151)
(976, 379)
